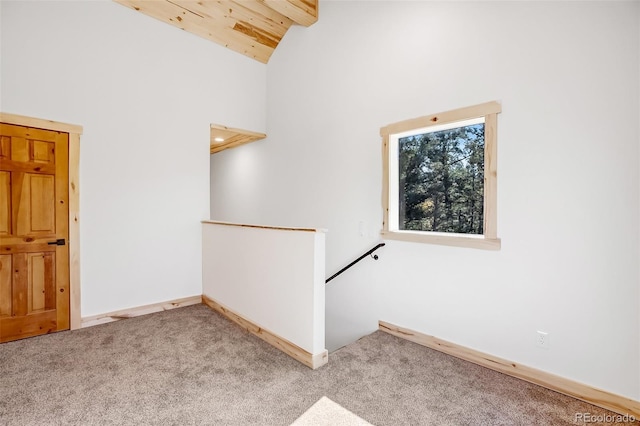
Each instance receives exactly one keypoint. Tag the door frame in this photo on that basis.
(74, 131)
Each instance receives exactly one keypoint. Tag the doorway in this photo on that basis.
(39, 227)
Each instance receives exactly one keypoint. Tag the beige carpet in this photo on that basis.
(325, 412)
(190, 366)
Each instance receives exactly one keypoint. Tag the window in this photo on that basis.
(440, 178)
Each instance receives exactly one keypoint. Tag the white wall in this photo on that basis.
(272, 277)
(567, 74)
(145, 93)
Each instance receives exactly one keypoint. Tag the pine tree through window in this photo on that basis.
(440, 178)
(441, 182)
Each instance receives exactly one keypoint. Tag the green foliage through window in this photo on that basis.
(441, 180)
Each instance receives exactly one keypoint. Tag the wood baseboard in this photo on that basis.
(610, 401)
(140, 310)
(294, 351)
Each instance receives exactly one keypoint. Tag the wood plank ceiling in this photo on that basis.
(251, 27)
(223, 137)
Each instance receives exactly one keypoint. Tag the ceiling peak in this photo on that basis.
(251, 27)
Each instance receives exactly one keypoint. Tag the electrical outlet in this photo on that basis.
(542, 340)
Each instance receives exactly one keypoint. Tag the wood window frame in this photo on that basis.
(489, 239)
(74, 132)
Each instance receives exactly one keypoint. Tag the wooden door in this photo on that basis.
(34, 214)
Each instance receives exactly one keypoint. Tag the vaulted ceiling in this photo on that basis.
(251, 27)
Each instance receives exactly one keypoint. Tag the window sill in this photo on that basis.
(478, 242)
